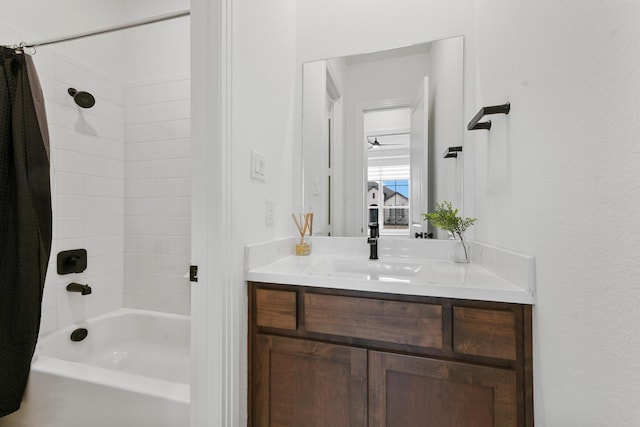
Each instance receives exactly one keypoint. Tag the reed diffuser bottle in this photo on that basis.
(304, 224)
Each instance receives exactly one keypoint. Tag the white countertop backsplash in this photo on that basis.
(495, 274)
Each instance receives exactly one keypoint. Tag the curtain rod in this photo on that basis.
(106, 30)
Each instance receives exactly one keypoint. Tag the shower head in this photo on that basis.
(83, 99)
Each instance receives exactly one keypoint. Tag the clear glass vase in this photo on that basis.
(460, 250)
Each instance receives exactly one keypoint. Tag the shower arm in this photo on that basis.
(106, 30)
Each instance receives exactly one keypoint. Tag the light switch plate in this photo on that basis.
(258, 166)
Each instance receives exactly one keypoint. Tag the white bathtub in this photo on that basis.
(132, 370)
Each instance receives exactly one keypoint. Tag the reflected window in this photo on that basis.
(392, 207)
(396, 204)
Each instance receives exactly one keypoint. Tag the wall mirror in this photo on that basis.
(375, 130)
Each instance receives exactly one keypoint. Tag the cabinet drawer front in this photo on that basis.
(483, 332)
(396, 322)
(276, 309)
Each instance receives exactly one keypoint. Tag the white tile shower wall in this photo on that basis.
(87, 181)
(157, 191)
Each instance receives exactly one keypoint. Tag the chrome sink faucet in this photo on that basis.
(373, 240)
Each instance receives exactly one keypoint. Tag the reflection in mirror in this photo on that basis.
(388, 200)
(374, 127)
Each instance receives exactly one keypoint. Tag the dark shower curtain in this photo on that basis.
(25, 221)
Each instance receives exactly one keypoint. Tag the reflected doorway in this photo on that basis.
(387, 137)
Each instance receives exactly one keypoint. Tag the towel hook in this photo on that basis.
(475, 123)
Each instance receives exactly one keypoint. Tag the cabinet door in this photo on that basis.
(302, 383)
(407, 391)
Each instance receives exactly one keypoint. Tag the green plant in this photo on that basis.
(446, 217)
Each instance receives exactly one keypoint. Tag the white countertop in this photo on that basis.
(333, 267)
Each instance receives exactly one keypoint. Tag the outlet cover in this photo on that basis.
(268, 212)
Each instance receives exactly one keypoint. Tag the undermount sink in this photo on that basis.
(372, 269)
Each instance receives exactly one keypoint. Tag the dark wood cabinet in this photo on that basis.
(307, 383)
(327, 357)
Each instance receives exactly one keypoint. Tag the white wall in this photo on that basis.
(158, 50)
(263, 108)
(156, 66)
(556, 179)
(158, 194)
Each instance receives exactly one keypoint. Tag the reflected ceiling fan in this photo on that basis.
(377, 143)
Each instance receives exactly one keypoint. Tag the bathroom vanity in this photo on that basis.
(332, 352)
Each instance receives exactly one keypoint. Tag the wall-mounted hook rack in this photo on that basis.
(452, 152)
(485, 111)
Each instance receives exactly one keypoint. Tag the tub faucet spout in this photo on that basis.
(78, 287)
